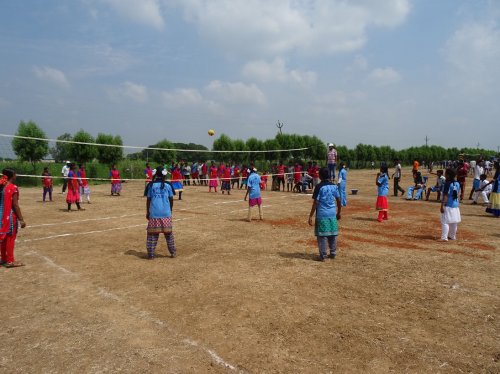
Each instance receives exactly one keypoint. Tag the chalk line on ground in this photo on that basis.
(143, 314)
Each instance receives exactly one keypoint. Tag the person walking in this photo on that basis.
(397, 178)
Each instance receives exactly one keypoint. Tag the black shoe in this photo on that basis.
(332, 256)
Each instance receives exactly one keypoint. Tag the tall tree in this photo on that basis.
(224, 143)
(109, 155)
(83, 152)
(61, 151)
(28, 149)
(163, 156)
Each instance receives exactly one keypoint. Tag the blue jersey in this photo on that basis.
(383, 188)
(325, 195)
(343, 175)
(159, 200)
(253, 185)
(449, 189)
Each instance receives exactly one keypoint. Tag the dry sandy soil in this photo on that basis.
(249, 297)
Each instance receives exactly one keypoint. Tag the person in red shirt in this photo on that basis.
(47, 184)
(213, 178)
(297, 177)
(236, 177)
(314, 173)
(244, 177)
(226, 181)
(204, 174)
(177, 180)
(281, 176)
(10, 218)
(263, 181)
(461, 178)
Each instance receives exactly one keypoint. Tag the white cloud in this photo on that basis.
(51, 75)
(277, 27)
(136, 92)
(474, 53)
(129, 90)
(385, 75)
(182, 97)
(236, 92)
(190, 98)
(276, 71)
(146, 12)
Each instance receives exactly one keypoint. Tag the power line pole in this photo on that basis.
(427, 141)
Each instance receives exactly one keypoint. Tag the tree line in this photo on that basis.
(306, 148)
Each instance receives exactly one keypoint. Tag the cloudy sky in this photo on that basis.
(370, 71)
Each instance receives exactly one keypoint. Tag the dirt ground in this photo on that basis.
(249, 297)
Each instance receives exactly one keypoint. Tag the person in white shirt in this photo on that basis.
(64, 173)
(484, 190)
(478, 170)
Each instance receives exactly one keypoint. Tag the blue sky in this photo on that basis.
(361, 71)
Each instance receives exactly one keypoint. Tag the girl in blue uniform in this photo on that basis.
(450, 213)
(382, 205)
(342, 184)
(327, 207)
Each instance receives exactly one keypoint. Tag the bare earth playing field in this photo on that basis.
(248, 297)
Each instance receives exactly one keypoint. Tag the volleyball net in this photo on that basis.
(17, 152)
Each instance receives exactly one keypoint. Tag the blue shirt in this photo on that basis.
(325, 194)
(383, 189)
(159, 200)
(448, 191)
(343, 175)
(253, 185)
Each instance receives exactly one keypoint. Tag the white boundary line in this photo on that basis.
(84, 220)
(143, 314)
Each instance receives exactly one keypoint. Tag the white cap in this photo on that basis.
(330, 144)
(68, 162)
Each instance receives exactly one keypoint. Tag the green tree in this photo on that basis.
(83, 152)
(191, 156)
(28, 149)
(61, 151)
(162, 156)
(239, 145)
(109, 155)
(224, 143)
(254, 144)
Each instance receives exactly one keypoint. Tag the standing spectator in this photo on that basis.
(397, 178)
(10, 218)
(462, 178)
(331, 160)
(64, 172)
(478, 170)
